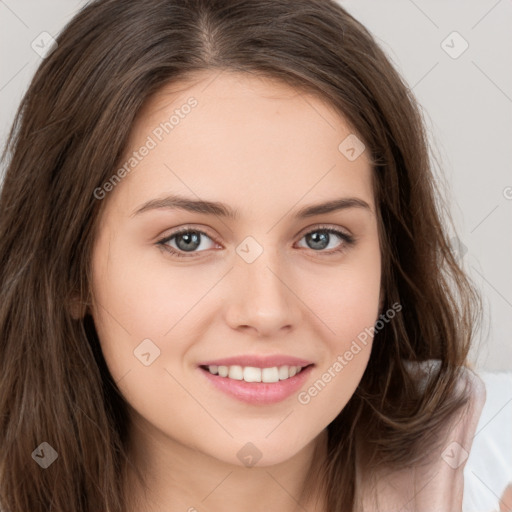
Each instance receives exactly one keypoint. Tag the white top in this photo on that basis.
(488, 470)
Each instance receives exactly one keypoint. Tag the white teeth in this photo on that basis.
(270, 374)
(236, 372)
(252, 374)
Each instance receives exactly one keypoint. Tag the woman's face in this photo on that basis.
(255, 284)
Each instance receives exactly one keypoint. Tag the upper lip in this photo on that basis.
(258, 361)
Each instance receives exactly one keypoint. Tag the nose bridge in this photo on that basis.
(263, 300)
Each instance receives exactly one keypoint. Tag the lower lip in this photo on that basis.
(259, 392)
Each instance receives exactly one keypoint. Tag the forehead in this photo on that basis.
(231, 101)
(222, 132)
(227, 85)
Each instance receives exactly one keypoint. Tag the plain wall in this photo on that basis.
(466, 98)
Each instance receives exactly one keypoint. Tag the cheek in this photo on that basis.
(345, 296)
(138, 297)
(351, 313)
(347, 308)
(133, 292)
(348, 313)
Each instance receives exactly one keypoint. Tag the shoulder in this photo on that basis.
(436, 486)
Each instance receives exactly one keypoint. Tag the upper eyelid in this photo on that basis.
(320, 227)
(186, 229)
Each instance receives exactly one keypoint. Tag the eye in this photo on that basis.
(322, 238)
(185, 240)
(188, 240)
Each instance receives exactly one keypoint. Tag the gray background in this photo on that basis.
(467, 104)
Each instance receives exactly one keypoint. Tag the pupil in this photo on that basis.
(191, 241)
(320, 240)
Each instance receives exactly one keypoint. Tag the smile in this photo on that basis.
(253, 374)
(256, 386)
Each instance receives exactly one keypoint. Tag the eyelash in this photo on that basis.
(348, 240)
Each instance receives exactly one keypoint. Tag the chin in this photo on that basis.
(261, 452)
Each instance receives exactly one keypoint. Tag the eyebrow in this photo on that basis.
(173, 202)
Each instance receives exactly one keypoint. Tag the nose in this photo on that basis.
(263, 299)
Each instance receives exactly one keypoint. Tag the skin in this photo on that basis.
(506, 500)
(266, 150)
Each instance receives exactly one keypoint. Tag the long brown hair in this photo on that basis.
(68, 136)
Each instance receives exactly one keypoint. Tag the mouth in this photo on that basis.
(267, 375)
(256, 385)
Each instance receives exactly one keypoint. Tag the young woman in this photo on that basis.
(225, 276)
